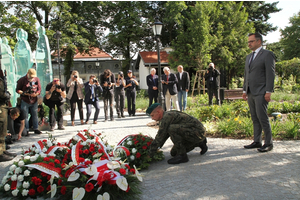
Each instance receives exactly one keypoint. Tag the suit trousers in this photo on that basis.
(211, 93)
(120, 101)
(89, 109)
(258, 109)
(153, 94)
(131, 97)
(108, 100)
(169, 98)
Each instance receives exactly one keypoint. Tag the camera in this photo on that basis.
(95, 81)
(75, 76)
(58, 87)
(29, 89)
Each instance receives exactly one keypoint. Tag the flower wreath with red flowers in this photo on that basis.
(82, 168)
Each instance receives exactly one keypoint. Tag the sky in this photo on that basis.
(281, 19)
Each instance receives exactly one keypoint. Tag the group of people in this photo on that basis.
(175, 88)
(187, 132)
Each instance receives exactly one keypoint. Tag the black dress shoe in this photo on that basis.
(10, 154)
(253, 145)
(182, 158)
(7, 147)
(265, 148)
(203, 147)
(4, 158)
(37, 132)
(8, 141)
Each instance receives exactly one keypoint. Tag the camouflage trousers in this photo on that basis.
(185, 137)
(3, 127)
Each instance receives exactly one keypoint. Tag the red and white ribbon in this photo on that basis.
(46, 168)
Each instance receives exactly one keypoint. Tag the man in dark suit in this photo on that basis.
(169, 82)
(258, 85)
(152, 82)
(92, 90)
(182, 86)
(212, 77)
(107, 81)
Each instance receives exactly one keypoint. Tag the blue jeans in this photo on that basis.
(182, 94)
(33, 112)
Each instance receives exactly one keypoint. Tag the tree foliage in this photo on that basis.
(291, 38)
(286, 68)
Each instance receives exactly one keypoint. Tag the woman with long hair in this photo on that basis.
(75, 95)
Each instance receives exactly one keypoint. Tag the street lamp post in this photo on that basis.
(57, 36)
(157, 27)
(120, 56)
(98, 67)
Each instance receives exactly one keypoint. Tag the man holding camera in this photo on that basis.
(212, 78)
(131, 84)
(107, 82)
(92, 89)
(55, 96)
(29, 87)
(120, 94)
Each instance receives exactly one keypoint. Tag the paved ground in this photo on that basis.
(226, 171)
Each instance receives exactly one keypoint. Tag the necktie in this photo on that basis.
(167, 78)
(251, 58)
(93, 94)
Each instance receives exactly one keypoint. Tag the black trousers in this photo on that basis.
(73, 107)
(108, 100)
(153, 94)
(89, 109)
(120, 101)
(59, 113)
(131, 96)
(211, 93)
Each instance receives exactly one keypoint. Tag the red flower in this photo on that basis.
(85, 130)
(122, 171)
(80, 146)
(46, 159)
(86, 151)
(106, 176)
(93, 153)
(40, 189)
(132, 170)
(100, 150)
(52, 164)
(43, 174)
(56, 161)
(89, 187)
(128, 167)
(59, 182)
(63, 190)
(48, 188)
(136, 142)
(91, 149)
(144, 147)
(128, 189)
(143, 139)
(92, 145)
(149, 143)
(52, 157)
(138, 155)
(89, 162)
(31, 192)
(36, 181)
(80, 151)
(81, 159)
(44, 141)
(48, 177)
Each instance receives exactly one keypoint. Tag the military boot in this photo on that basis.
(203, 147)
(181, 158)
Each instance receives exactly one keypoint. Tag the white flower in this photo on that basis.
(21, 178)
(7, 187)
(129, 142)
(83, 143)
(21, 163)
(44, 149)
(132, 157)
(52, 154)
(4, 180)
(133, 150)
(71, 164)
(18, 170)
(27, 172)
(49, 143)
(33, 158)
(14, 177)
(15, 192)
(32, 148)
(75, 138)
(9, 173)
(26, 157)
(43, 155)
(25, 192)
(12, 168)
(26, 184)
(37, 151)
(109, 148)
(89, 141)
(54, 142)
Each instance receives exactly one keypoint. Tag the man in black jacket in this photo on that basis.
(107, 81)
(212, 78)
(182, 86)
(152, 82)
(169, 81)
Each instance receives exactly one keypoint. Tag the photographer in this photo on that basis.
(212, 77)
(107, 82)
(131, 84)
(120, 94)
(55, 96)
(29, 87)
(92, 89)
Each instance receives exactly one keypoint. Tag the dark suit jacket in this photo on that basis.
(172, 84)
(215, 84)
(184, 83)
(88, 92)
(152, 82)
(259, 77)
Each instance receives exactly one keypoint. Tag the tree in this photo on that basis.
(291, 38)
(259, 14)
(277, 49)
(286, 68)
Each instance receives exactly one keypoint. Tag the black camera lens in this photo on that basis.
(75, 76)
(58, 86)
(95, 81)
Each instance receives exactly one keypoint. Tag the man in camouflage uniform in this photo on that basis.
(185, 131)
(4, 97)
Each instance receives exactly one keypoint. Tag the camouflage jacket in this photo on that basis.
(175, 118)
